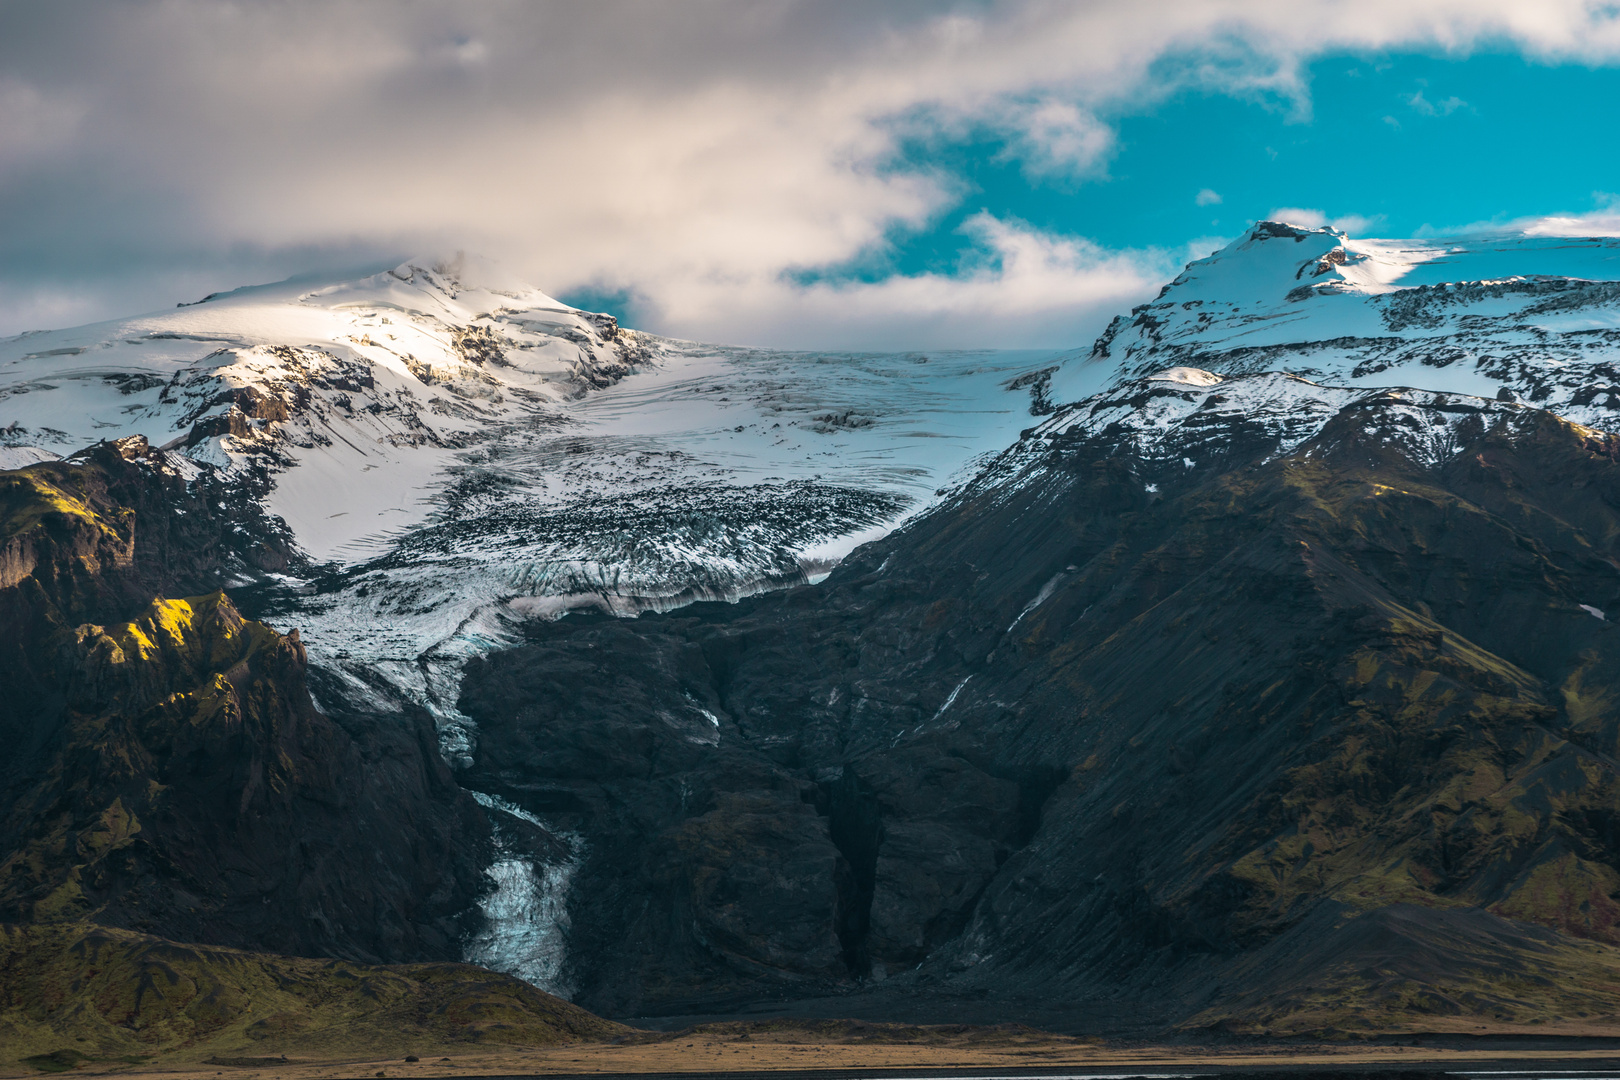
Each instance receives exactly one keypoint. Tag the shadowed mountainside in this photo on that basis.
(168, 770)
(1114, 734)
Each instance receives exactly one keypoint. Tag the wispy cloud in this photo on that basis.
(1028, 286)
(1207, 197)
(1424, 107)
(1602, 220)
(1204, 246)
(1057, 138)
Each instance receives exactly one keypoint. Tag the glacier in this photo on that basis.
(455, 453)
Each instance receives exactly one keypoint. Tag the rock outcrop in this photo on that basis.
(169, 771)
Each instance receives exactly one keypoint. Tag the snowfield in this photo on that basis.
(457, 452)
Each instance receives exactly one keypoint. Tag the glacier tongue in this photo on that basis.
(708, 475)
(526, 912)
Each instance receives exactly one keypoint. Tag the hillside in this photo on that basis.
(168, 771)
(98, 994)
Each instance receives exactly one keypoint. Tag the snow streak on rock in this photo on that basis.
(526, 910)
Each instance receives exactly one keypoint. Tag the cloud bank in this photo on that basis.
(701, 156)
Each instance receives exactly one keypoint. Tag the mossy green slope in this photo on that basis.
(107, 993)
(188, 683)
(1323, 687)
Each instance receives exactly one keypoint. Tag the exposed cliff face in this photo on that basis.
(1116, 723)
(96, 540)
(170, 772)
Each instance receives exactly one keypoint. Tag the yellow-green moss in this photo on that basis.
(112, 992)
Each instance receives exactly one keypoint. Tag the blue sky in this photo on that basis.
(798, 173)
(1389, 145)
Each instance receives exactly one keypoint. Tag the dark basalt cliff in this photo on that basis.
(167, 770)
(1281, 741)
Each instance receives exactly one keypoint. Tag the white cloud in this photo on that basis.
(1591, 223)
(1357, 224)
(1057, 138)
(1351, 224)
(1024, 288)
(694, 154)
(1207, 197)
(1602, 220)
(1294, 215)
(1204, 246)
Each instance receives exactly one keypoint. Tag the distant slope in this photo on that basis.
(1248, 702)
(1537, 317)
(100, 993)
(1024, 647)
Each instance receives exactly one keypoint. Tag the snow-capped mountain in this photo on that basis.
(1244, 626)
(350, 395)
(1285, 328)
(457, 452)
(1538, 317)
(1257, 481)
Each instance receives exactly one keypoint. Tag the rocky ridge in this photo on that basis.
(1535, 317)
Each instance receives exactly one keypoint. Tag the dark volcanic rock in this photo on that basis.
(168, 770)
(1109, 726)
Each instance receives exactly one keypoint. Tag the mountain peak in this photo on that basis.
(461, 271)
(1283, 230)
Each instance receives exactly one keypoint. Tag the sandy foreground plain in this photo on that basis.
(702, 1054)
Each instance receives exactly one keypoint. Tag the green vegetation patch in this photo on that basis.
(120, 994)
(56, 1060)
